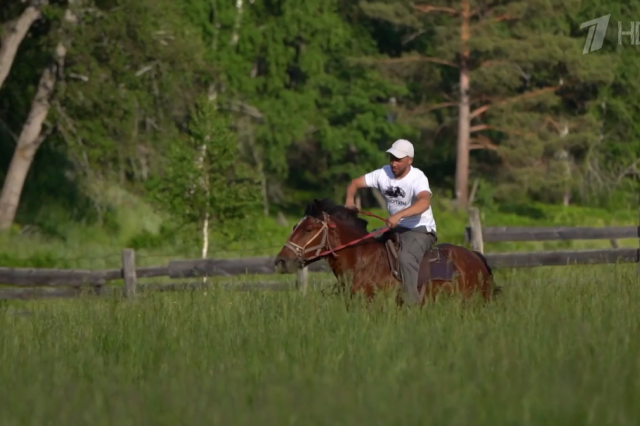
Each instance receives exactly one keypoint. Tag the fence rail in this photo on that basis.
(562, 258)
(71, 282)
(477, 236)
(476, 233)
(175, 269)
(495, 234)
(50, 283)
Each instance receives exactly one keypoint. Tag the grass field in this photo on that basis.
(560, 347)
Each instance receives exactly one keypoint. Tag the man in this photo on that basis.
(408, 195)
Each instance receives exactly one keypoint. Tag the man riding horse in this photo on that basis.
(408, 195)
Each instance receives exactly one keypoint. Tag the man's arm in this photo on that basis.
(352, 188)
(423, 201)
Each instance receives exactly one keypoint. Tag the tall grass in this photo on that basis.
(559, 347)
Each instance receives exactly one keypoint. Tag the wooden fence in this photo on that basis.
(476, 235)
(39, 283)
(72, 282)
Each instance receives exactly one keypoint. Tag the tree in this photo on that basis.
(31, 136)
(502, 65)
(13, 32)
(132, 71)
(610, 170)
(135, 70)
(302, 110)
(204, 182)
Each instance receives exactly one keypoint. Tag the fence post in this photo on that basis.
(476, 230)
(302, 279)
(129, 272)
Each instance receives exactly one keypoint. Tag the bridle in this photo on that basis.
(323, 232)
(301, 251)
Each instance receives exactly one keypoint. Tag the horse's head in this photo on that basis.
(324, 225)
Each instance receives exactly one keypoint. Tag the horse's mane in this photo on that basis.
(348, 216)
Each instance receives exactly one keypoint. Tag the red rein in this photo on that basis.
(369, 235)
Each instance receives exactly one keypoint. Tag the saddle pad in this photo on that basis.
(434, 266)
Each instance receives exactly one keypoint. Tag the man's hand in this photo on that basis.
(392, 221)
(421, 205)
(418, 207)
(351, 205)
(355, 184)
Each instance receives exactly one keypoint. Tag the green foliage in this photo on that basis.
(528, 70)
(205, 179)
(314, 91)
(42, 259)
(134, 70)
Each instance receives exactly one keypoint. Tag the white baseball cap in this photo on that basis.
(401, 148)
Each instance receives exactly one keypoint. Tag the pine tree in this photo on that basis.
(507, 67)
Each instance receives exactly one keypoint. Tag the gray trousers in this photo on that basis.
(414, 244)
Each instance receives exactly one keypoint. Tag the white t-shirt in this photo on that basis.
(401, 193)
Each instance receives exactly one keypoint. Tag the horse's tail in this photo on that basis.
(484, 261)
(496, 288)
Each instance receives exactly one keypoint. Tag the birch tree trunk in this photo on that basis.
(15, 32)
(203, 185)
(565, 157)
(235, 37)
(29, 141)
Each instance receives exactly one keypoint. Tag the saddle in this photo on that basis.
(434, 264)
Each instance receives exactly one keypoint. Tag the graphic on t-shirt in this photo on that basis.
(400, 194)
(394, 192)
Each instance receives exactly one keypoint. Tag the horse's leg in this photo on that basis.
(371, 272)
(432, 289)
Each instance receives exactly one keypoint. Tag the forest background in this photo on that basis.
(203, 127)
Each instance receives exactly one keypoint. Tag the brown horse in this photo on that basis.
(369, 259)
